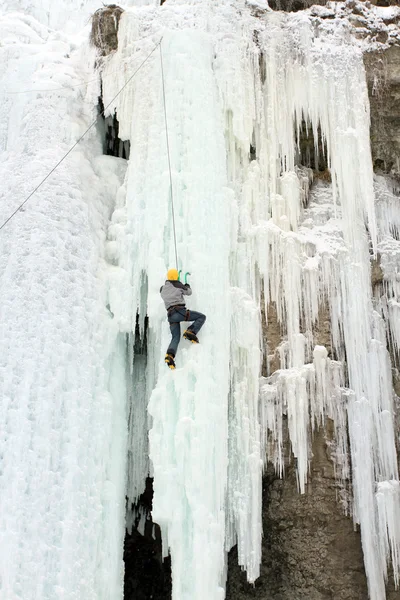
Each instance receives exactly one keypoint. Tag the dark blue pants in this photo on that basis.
(175, 319)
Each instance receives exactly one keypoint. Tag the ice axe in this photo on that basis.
(186, 275)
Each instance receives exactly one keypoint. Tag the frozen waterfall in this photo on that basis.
(83, 419)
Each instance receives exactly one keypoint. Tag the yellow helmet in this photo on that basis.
(172, 275)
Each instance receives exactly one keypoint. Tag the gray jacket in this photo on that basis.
(172, 293)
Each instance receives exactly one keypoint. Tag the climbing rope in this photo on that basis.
(80, 139)
(168, 152)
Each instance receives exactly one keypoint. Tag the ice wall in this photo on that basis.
(91, 250)
(189, 407)
(62, 364)
(245, 227)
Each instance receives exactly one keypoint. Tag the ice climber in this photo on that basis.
(172, 293)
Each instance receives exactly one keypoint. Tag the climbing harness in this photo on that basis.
(178, 308)
(175, 307)
(81, 137)
(168, 152)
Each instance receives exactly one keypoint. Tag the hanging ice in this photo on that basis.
(189, 408)
(267, 83)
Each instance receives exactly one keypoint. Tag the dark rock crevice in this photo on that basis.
(147, 576)
(109, 132)
(312, 149)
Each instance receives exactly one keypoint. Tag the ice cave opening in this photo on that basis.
(312, 150)
(147, 573)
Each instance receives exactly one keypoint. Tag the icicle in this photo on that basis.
(245, 460)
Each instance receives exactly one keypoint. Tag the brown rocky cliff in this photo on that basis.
(310, 548)
(383, 76)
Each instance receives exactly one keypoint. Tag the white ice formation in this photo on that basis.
(91, 249)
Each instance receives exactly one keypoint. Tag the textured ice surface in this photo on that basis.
(266, 82)
(68, 15)
(90, 252)
(62, 410)
(387, 295)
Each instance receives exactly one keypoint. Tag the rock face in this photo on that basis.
(295, 5)
(310, 549)
(383, 76)
(104, 34)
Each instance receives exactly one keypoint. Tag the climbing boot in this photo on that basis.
(169, 360)
(192, 337)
